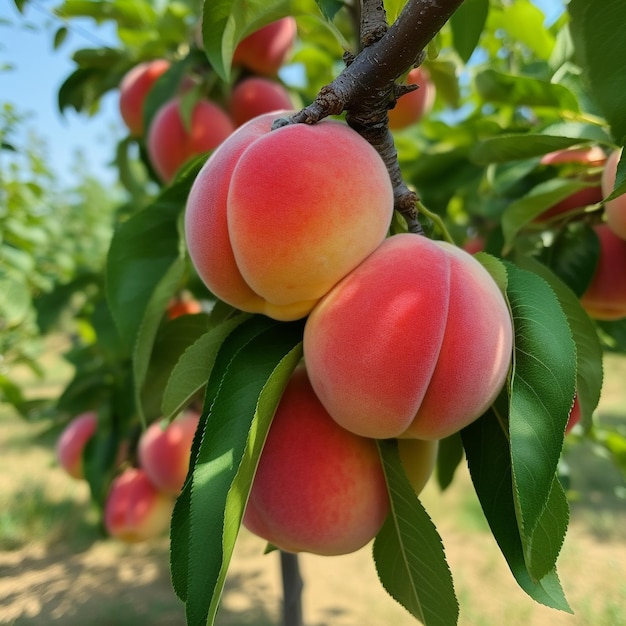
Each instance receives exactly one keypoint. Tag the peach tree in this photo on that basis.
(405, 336)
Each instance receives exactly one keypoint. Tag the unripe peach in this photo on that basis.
(164, 451)
(72, 442)
(411, 107)
(266, 49)
(318, 488)
(271, 225)
(415, 342)
(418, 457)
(255, 96)
(615, 210)
(170, 144)
(135, 510)
(605, 297)
(134, 89)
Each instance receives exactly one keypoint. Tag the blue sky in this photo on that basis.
(26, 44)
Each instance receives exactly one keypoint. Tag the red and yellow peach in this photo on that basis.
(605, 297)
(415, 342)
(318, 488)
(413, 106)
(171, 143)
(615, 210)
(271, 232)
(72, 441)
(255, 96)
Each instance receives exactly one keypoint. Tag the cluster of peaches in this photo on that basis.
(405, 337)
(170, 141)
(141, 498)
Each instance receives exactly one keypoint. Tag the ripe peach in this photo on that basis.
(590, 156)
(269, 231)
(134, 89)
(472, 245)
(265, 50)
(255, 96)
(183, 306)
(411, 107)
(135, 510)
(615, 210)
(165, 449)
(170, 144)
(415, 342)
(72, 442)
(605, 297)
(318, 488)
(418, 457)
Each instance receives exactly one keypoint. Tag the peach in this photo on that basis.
(135, 510)
(415, 342)
(164, 451)
(418, 457)
(411, 107)
(615, 210)
(72, 441)
(605, 297)
(170, 144)
(255, 96)
(589, 156)
(134, 89)
(183, 306)
(265, 50)
(318, 488)
(474, 244)
(269, 231)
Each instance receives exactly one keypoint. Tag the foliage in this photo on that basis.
(509, 91)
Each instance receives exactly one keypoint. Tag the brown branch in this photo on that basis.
(366, 87)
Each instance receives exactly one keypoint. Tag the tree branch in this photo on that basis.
(366, 87)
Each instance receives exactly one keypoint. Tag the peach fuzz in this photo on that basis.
(271, 232)
(135, 510)
(416, 342)
(318, 488)
(170, 144)
(255, 96)
(164, 451)
(615, 210)
(411, 107)
(266, 49)
(605, 297)
(418, 458)
(134, 89)
(72, 442)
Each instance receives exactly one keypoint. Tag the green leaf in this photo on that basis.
(193, 369)
(489, 459)
(329, 8)
(524, 23)
(449, 457)
(515, 90)
(573, 256)
(597, 32)
(59, 37)
(408, 552)
(540, 198)
(505, 148)
(620, 178)
(126, 14)
(588, 347)
(467, 24)
(173, 338)
(239, 414)
(541, 394)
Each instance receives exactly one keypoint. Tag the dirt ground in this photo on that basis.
(55, 568)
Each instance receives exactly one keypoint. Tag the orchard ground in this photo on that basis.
(55, 567)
